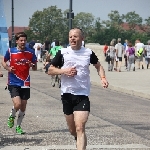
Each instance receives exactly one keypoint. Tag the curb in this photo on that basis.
(125, 91)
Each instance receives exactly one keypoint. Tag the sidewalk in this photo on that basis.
(133, 83)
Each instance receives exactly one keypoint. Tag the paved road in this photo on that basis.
(117, 121)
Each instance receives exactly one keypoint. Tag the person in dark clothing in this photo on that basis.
(47, 44)
(46, 48)
(31, 44)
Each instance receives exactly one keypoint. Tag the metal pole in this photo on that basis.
(13, 40)
(70, 16)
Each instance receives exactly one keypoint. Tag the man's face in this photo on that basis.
(21, 42)
(75, 39)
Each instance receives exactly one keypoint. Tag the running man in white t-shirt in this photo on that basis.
(75, 83)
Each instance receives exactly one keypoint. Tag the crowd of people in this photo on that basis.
(133, 55)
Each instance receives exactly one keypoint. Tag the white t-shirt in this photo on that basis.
(53, 44)
(147, 48)
(139, 45)
(80, 83)
(36, 45)
(119, 47)
(82, 43)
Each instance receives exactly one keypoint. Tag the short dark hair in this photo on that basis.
(82, 32)
(56, 43)
(129, 43)
(139, 39)
(20, 34)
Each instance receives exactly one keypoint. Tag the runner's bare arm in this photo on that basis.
(100, 69)
(101, 73)
(4, 64)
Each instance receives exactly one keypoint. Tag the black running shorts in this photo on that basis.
(24, 93)
(120, 58)
(73, 103)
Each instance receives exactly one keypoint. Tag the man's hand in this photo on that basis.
(104, 83)
(70, 72)
(30, 63)
(34, 66)
(11, 69)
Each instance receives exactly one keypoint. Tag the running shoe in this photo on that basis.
(10, 122)
(19, 130)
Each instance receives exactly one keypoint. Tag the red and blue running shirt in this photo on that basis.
(19, 60)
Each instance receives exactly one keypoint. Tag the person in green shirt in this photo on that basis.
(52, 53)
(55, 49)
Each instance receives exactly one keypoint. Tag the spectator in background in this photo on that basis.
(83, 43)
(46, 44)
(147, 53)
(130, 52)
(38, 47)
(46, 48)
(27, 45)
(139, 47)
(111, 52)
(105, 49)
(53, 43)
(53, 53)
(31, 44)
(119, 52)
(61, 44)
(125, 49)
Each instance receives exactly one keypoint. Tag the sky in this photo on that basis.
(24, 9)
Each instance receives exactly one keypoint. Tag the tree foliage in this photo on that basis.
(53, 23)
(133, 19)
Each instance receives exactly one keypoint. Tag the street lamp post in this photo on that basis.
(13, 36)
(70, 15)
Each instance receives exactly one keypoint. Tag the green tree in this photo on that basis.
(115, 19)
(133, 19)
(97, 32)
(147, 26)
(53, 23)
(148, 21)
(84, 21)
(48, 23)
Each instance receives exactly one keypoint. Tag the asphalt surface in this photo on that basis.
(117, 120)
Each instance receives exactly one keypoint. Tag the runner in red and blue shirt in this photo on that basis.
(18, 61)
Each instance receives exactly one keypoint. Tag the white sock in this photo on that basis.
(20, 117)
(13, 112)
